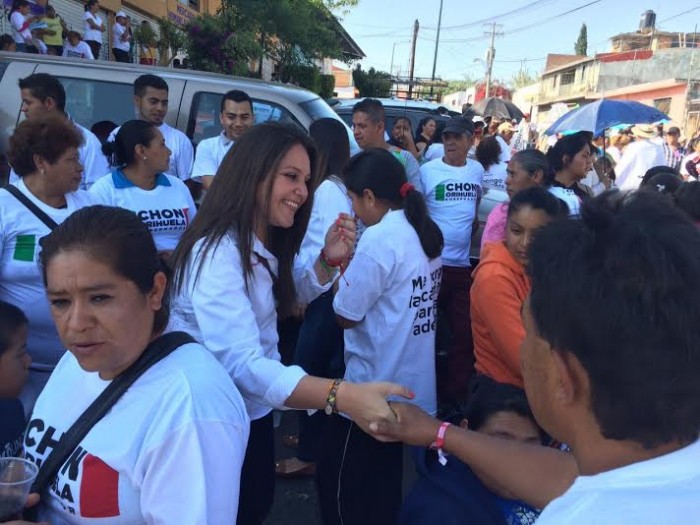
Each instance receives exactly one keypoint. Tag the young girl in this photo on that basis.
(570, 160)
(233, 273)
(139, 183)
(501, 285)
(386, 303)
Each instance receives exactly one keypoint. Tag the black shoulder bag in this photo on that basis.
(157, 350)
(21, 197)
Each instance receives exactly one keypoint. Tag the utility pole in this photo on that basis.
(413, 59)
(437, 45)
(490, 55)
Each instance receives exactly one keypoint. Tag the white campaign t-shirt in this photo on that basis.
(209, 154)
(20, 277)
(505, 149)
(182, 151)
(169, 451)
(434, 151)
(81, 50)
(117, 31)
(17, 22)
(496, 175)
(331, 199)
(391, 289)
(572, 200)
(660, 491)
(92, 34)
(167, 209)
(452, 196)
(238, 323)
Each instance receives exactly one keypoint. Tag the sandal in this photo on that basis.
(294, 468)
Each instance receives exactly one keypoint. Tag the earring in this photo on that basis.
(42, 170)
(145, 158)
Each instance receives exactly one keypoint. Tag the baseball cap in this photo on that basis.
(506, 126)
(120, 14)
(674, 130)
(459, 125)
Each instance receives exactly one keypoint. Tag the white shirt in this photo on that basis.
(118, 31)
(209, 154)
(505, 149)
(167, 209)
(638, 157)
(95, 165)
(569, 197)
(92, 34)
(81, 50)
(20, 277)
(393, 295)
(496, 175)
(182, 152)
(17, 22)
(452, 196)
(237, 322)
(434, 151)
(660, 491)
(169, 451)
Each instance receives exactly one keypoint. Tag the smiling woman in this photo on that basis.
(44, 154)
(103, 274)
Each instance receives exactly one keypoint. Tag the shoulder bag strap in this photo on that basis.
(154, 352)
(21, 197)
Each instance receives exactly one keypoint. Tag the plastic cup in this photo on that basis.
(16, 478)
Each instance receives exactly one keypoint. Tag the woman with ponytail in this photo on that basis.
(386, 303)
(139, 183)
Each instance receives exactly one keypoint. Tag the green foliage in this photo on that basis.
(307, 77)
(213, 45)
(581, 45)
(522, 78)
(458, 85)
(326, 86)
(169, 43)
(372, 83)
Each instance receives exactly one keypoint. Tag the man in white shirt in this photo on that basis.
(369, 129)
(43, 93)
(452, 186)
(121, 38)
(638, 157)
(504, 136)
(236, 117)
(151, 101)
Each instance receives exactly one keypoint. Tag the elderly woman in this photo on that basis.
(170, 448)
(44, 154)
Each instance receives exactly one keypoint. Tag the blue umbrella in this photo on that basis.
(603, 114)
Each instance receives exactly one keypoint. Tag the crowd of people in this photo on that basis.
(48, 34)
(568, 391)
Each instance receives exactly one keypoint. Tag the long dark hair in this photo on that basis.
(380, 171)
(230, 207)
(117, 238)
(121, 152)
(563, 151)
(89, 4)
(421, 125)
(332, 144)
(488, 152)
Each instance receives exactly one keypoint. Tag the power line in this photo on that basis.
(521, 10)
(680, 14)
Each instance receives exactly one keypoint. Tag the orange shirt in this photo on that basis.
(499, 289)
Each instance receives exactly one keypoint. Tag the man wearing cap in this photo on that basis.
(673, 150)
(640, 156)
(452, 186)
(503, 136)
(121, 38)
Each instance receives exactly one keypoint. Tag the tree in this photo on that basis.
(581, 45)
(522, 78)
(458, 85)
(169, 41)
(372, 83)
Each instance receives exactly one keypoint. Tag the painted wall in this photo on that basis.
(675, 93)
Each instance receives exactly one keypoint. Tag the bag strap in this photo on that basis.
(21, 197)
(157, 350)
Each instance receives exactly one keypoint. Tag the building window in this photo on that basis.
(663, 104)
(568, 77)
(194, 4)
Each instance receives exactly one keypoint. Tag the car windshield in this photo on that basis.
(318, 109)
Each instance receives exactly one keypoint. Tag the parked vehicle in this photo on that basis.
(99, 92)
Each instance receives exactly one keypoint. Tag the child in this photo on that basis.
(386, 303)
(14, 369)
(451, 494)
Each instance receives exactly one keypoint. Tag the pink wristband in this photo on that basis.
(440, 443)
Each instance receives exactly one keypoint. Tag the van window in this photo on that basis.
(93, 101)
(206, 107)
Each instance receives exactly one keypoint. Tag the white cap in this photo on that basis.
(121, 14)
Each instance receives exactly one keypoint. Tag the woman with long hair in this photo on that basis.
(402, 136)
(488, 153)
(570, 160)
(138, 183)
(425, 134)
(386, 304)
(501, 286)
(527, 168)
(319, 348)
(94, 26)
(234, 274)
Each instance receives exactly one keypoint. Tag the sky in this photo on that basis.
(529, 30)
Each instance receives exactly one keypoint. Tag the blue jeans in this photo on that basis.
(320, 352)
